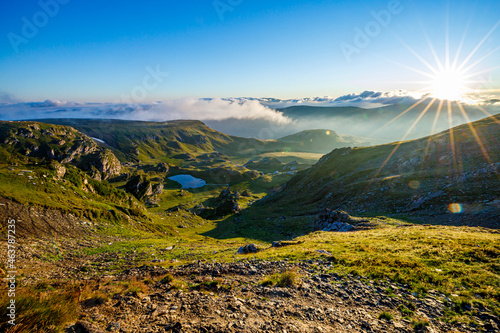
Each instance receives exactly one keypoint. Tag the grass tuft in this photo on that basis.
(419, 324)
(45, 312)
(167, 279)
(385, 315)
(288, 279)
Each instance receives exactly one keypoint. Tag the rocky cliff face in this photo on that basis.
(38, 142)
(104, 162)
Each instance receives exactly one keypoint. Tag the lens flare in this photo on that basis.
(414, 184)
(455, 208)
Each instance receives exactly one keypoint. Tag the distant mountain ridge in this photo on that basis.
(144, 141)
(321, 141)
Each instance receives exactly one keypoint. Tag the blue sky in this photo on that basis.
(98, 51)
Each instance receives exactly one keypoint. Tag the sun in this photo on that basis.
(449, 84)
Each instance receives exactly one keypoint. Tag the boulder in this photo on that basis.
(140, 187)
(226, 203)
(339, 227)
(162, 167)
(334, 220)
(249, 248)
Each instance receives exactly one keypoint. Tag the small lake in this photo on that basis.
(188, 181)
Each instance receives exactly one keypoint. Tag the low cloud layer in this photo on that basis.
(380, 98)
(187, 108)
(261, 117)
(367, 99)
(209, 109)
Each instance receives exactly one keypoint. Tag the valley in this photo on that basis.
(172, 226)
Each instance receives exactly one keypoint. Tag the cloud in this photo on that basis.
(366, 99)
(209, 109)
(44, 104)
(370, 99)
(187, 108)
(213, 109)
(380, 98)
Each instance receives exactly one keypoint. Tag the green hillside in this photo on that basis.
(319, 141)
(420, 176)
(54, 167)
(184, 140)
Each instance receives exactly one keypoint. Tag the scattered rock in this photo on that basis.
(245, 193)
(249, 248)
(84, 327)
(339, 221)
(324, 252)
(285, 243)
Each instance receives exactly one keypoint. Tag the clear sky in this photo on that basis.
(97, 51)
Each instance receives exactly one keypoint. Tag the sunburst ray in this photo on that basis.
(452, 136)
(479, 45)
(402, 140)
(418, 56)
(433, 129)
(484, 151)
(402, 114)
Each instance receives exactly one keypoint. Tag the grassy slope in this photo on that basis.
(358, 180)
(33, 180)
(461, 262)
(148, 141)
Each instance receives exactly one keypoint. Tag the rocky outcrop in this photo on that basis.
(107, 163)
(162, 167)
(59, 169)
(62, 144)
(140, 187)
(158, 189)
(249, 248)
(225, 204)
(338, 221)
(143, 189)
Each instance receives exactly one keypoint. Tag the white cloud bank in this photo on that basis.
(186, 108)
(210, 109)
